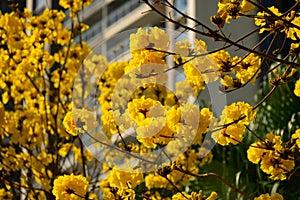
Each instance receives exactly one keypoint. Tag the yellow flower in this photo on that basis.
(233, 119)
(296, 136)
(294, 48)
(293, 32)
(194, 196)
(236, 71)
(183, 48)
(81, 27)
(63, 36)
(228, 81)
(79, 120)
(267, 196)
(230, 9)
(124, 180)
(205, 120)
(139, 110)
(72, 187)
(194, 77)
(142, 39)
(155, 181)
(263, 20)
(248, 68)
(297, 88)
(69, 124)
(65, 149)
(258, 149)
(5, 194)
(184, 91)
(5, 97)
(273, 158)
(74, 5)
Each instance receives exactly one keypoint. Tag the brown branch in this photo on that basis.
(213, 34)
(245, 195)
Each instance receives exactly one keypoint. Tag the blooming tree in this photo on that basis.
(75, 126)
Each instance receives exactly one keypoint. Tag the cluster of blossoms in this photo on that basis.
(236, 72)
(75, 6)
(70, 187)
(231, 9)
(234, 120)
(276, 21)
(43, 113)
(273, 21)
(133, 95)
(275, 196)
(277, 157)
(274, 159)
(129, 98)
(36, 91)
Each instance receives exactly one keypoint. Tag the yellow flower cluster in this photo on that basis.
(5, 194)
(274, 159)
(143, 39)
(198, 67)
(74, 5)
(36, 89)
(297, 88)
(236, 71)
(79, 120)
(169, 175)
(296, 138)
(262, 20)
(120, 184)
(73, 187)
(194, 196)
(277, 22)
(267, 196)
(231, 9)
(37, 86)
(107, 84)
(132, 94)
(234, 118)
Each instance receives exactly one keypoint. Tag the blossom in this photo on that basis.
(79, 120)
(155, 181)
(275, 196)
(5, 194)
(262, 20)
(70, 124)
(233, 120)
(154, 37)
(273, 158)
(194, 77)
(123, 179)
(140, 110)
(297, 88)
(236, 71)
(73, 187)
(230, 9)
(296, 138)
(120, 184)
(194, 196)
(74, 5)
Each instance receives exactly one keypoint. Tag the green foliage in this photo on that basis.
(281, 112)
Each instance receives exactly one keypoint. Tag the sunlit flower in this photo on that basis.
(297, 88)
(73, 187)
(275, 196)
